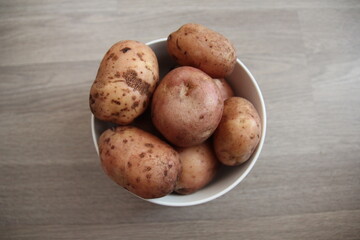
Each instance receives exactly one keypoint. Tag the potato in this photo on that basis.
(139, 161)
(224, 87)
(238, 133)
(197, 46)
(125, 81)
(199, 166)
(186, 106)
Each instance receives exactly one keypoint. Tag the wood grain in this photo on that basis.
(305, 56)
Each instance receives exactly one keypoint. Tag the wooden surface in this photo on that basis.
(305, 56)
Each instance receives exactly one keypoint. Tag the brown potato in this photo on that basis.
(186, 106)
(125, 81)
(197, 46)
(199, 166)
(139, 161)
(238, 133)
(224, 87)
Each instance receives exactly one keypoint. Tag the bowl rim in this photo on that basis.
(160, 201)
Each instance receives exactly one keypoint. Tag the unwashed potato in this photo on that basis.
(238, 133)
(199, 166)
(224, 87)
(126, 78)
(186, 106)
(139, 161)
(200, 47)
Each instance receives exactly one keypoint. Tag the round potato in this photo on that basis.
(186, 106)
(197, 46)
(238, 133)
(125, 81)
(139, 161)
(224, 87)
(199, 166)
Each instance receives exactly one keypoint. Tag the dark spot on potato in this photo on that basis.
(170, 165)
(136, 83)
(148, 176)
(147, 169)
(150, 151)
(111, 55)
(117, 75)
(252, 136)
(91, 100)
(149, 145)
(115, 101)
(115, 57)
(185, 52)
(124, 109)
(141, 154)
(137, 179)
(135, 104)
(125, 141)
(201, 117)
(211, 46)
(133, 97)
(129, 164)
(134, 59)
(140, 55)
(107, 140)
(165, 173)
(107, 153)
(115, 114)
(112, 147)
(110, 78)
(156, 156)
(125, 49)
(124, 94)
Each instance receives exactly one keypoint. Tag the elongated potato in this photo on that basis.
(139, 161)
(238, 133)
(199, 166)
(125, 81)
(197, 46)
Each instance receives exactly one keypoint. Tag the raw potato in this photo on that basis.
(125, 81)
(139, 161)
(238, 133)
(199, 166)
(225, 89)
(197, 46)
(186, 106)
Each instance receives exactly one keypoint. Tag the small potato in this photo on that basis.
(197, 46)
(238, 133)
(224, 87)
(186, 106)
(199, 166)
(139, 161)
(125, 81)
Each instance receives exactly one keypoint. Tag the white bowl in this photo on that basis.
(244, 85)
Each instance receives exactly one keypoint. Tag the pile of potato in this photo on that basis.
(201, 124)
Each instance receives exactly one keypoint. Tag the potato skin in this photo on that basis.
(199, 166)
(200, 47)
(139, 161)
(126, 78)
(224, 87)
(186, 106)
(238, 133)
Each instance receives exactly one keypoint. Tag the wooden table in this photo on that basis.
(305, 56)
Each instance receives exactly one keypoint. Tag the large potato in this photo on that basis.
(199, 166)
(238, 133)
(125, 81)
(186, 106)
(197, 46)
(224, 87)
(139, 161)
